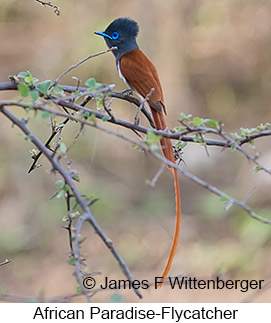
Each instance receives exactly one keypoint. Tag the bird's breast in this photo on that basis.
(120, 74)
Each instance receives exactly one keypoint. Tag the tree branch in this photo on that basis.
(50, 4)
(87, 215)
(81, 62)
(7, 261)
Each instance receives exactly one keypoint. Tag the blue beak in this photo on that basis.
(103, 34)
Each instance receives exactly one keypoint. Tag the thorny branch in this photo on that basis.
(50, 4)
(81, 62)
(87, 215)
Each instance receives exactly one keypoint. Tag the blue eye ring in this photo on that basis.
(115, 35)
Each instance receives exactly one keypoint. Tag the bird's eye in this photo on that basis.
(115, 35)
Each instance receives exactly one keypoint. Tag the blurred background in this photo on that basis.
(214, 61)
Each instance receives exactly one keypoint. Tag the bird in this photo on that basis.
(140, 74)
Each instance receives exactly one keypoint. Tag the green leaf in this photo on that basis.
(179, 129)
(152, 140)
(45, 114)
(28, 78)
(99, 102)
(44, 86)
(60, 194)
(92, 196)
(180, 144)
(59, 183)
(197, 122)
(79, 290)
(76, 177)
(224, 198)
(185, 117)
(73, 215)
(212, 123)
(57, 90)
(86, 114)
(71, 261)
(235, 136)
(23, 89)
(91, 83)
(23, 74)
(197, 138)
(92, 118)
(106, 118)
(63, 147)
(257, 168)
(135, 146)
(34, 94)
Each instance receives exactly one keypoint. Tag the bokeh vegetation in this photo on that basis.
(214, 60)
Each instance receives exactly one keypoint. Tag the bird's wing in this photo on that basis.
(142, 76)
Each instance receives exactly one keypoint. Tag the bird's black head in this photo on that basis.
(121, 33)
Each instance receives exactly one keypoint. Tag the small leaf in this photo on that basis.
(212, 123)
(106, 118)
(23, 89)
(185, 117)
(72, 215)
(197, 138)
(179, 129)
(86, 114)
(60, 194)
(91, 83)
(92, 118)
(59, 183)
(44, 86)
(76, 177)
(100, 102)
(197, 122)
(233, 147)
(92, 197)
(153, 138)
(34, 94)
(71, 261)
(23, 74)
(45, 114)
(79, 289)
(63, 147)
(57, 90)
(224, 198)
(257, 168)
(180, 144)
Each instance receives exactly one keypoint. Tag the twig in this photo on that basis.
(55, 131)
(158, 174)
(50, 4)
(81, 62)
(7, 261)
(142, 105)
(69, 181)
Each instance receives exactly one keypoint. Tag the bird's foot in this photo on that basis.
(127, 92)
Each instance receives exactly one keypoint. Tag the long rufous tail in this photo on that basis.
(167, 150)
